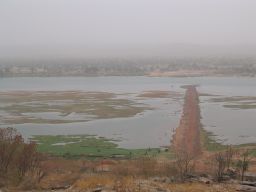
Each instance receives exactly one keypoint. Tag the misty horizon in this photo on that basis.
(144, 28)
(128, 51)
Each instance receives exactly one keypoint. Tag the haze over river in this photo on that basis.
(233, 121)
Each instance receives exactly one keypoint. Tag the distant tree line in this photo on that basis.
(124, 66)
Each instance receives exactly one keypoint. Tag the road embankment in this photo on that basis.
(187, 134)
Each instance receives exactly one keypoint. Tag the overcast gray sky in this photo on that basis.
(84, 26)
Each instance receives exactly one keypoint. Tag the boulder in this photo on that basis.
(98, 189)
(250, 177)
(246, 188)
(249, 183)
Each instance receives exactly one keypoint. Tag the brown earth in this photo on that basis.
(159, 94)
(124, 175)
(187, 135)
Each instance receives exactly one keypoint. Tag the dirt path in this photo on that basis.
(187, 135)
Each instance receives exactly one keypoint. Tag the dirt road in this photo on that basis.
(187, 134)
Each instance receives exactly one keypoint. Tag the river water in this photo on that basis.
(152, 128)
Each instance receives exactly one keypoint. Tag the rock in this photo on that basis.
(204, 180)
(232, 173)
(204, 175)
(253, 184)
(58, 187)
(191, 176)
(161, 190)
(245, 188)
(226, 178)
(161, 179)
(250, 176)
(233, 181)
(98, 189)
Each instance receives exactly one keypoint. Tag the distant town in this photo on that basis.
(176, 67)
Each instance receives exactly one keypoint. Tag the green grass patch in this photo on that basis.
(240, 106)
(88, 146)
(253, 152)
(234, 99)
(237, 102)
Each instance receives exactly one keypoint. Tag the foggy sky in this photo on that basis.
(112, 27)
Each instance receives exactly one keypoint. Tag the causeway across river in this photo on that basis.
(187, 135)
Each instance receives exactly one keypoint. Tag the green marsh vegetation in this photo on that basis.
(236, 102)
(26, 107)
(88, 146)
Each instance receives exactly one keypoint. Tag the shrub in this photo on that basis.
(243, 163)
(220, 162)
(184, 163)
(17, 158)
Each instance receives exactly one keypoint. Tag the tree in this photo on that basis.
(10, 141)
(243, 163)
(184, 163)
(220, 165)
(27, 160)
(229, 156)
(17, 158)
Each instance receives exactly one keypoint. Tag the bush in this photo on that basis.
(243, 163)
(146, 166)
(220, 162)
(17, 158)
(184, 163)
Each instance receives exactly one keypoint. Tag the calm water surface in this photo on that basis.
(152, 128)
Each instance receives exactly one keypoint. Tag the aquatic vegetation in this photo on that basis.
(68, 106)
(236, 102)
(88, 146)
